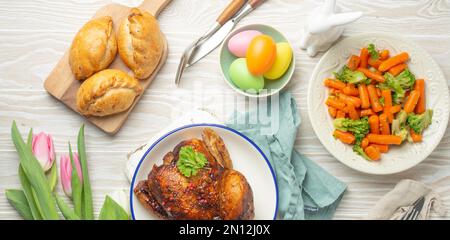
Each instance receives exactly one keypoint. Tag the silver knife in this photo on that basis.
(217, 38)
(232, 8)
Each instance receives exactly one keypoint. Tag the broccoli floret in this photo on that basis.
(348, 76)
(358, 149)
(406, 79)
(358, 127)
(394, 85)
(418, 122)
(373, 51)
(399, 121)
(399, 127)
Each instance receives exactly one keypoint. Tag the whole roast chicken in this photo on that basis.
(216, 191)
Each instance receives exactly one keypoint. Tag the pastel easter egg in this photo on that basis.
(261, 54)
(282, 61)
(239, 43)
(242, 78)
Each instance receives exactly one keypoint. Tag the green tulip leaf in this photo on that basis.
(111, 210)
(19, 201)
(28, 192)
(77, 188)
(66, 211)
(88, 210)
(52, 176)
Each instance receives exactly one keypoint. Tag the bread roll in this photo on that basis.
(140, 43)
(107, 92)
(93, 48)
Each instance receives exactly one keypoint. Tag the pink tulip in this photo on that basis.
(66, 172)
(43, 150)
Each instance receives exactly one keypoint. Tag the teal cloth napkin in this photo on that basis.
(305, 190)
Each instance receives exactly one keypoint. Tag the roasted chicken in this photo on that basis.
(216, 191)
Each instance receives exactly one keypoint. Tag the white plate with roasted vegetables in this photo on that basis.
(378, 102)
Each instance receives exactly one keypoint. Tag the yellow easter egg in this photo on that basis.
(282, 61)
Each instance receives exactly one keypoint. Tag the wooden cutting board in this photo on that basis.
(62, 84)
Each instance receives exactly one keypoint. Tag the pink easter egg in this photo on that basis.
(239, 43)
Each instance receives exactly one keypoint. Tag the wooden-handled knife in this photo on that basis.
(217, 38)
(232, 8)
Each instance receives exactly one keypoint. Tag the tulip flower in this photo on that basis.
(66, 172)
(43, 150)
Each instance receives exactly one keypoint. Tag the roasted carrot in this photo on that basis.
(384, 139)
(332, 111)
(374, 101)
(384, 124)
(340, 114)
(353, 62)
(366, 112)
(350, 90)
(364, 143)
(387, 96)
(384, 54)
(334, 84)
(345, 137)
(334, 91)
(389, 114)
(378, 92)
(393, 61)
(364, 57)
(421, 104)
(350, 109)
(374, 62)
(415, 136)
(395, 109)
(364, 95)
(373, 153)
(350, 99)
(371, 75)
(332, 102)
(411, 102)
(381, 148)
(374, 124)
(397, 69)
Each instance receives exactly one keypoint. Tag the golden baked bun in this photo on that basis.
(93, 48)
(107, 92)
(140, 43)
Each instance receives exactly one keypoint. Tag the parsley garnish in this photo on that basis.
(190, 161)
(373, 51)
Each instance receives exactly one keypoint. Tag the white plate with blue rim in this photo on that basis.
(247, 158)
(421, 64)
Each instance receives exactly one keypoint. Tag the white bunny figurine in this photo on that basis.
(324, 27)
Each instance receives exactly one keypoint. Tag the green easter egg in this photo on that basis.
(242, 78)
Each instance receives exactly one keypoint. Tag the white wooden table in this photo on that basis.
(35, 33)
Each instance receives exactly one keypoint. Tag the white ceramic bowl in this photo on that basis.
(247, 159)
(399, 158)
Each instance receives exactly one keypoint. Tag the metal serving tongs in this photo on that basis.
(233, 7)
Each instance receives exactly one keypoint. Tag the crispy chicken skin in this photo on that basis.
(216, 192)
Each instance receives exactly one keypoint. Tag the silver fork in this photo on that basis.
(413, 214)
